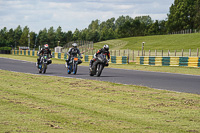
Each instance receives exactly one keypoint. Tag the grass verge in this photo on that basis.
(159, 42)
(131, 66)
(35, 103)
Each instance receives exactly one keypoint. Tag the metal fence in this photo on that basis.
(187, 31)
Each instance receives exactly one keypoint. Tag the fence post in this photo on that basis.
(144, 52)
(128, 55)
(182, 52)
(149, 52)
(162, 52)
(197, 52)
(175, 52)
(124, 53)
(155, 52)
(168, 52)
(189, 52)
(138, 52)
(115, 53)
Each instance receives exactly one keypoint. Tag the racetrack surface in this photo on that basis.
(158, 80)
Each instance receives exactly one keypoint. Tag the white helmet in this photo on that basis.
(106, 47)
(74, 45)
(46, 46)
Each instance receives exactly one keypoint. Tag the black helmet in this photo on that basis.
(106, 47)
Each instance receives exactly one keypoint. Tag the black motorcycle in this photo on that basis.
(44, 61)
(98, 65)
(73, 65)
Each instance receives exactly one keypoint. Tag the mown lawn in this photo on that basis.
(159, 42)
(35, 103)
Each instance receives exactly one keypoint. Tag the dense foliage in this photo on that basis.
(183, 14)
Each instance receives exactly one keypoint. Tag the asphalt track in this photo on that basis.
(158, 80)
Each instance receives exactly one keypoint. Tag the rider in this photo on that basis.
(73, 53)
(104, 50)
(43, 51)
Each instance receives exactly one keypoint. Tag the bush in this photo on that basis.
(5, 48)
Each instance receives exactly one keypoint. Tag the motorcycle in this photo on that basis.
(44, 61)
(73, 65)
(98, 65)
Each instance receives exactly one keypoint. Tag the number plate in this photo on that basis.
(75, 59)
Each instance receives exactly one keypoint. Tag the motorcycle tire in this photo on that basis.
(68, 70)
(44, 68)
(40, 71)
(99, 69)
(39, 68)
(75, 68)
(90, 73)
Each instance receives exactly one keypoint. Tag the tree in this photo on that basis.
(197, 15)
(69, 36)
(154, 28)
(32, 39)
(3, 37)
(144, 19)
(51, 36)
(17, 35)
(24, 37)
(182, 15)
(94, 25)
(110, 24)
(76, 35)
(10, 38)
(59, 36)
(43, 37)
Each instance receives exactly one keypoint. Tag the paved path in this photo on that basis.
(158, 80)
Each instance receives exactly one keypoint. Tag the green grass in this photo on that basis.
(34, 103)
(131, 66)
(159, 42)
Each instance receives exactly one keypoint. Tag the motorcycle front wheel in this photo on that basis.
(44, 68)
(40, 68)
(99, 69)
(75, 68)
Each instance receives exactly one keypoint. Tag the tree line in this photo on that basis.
(183, 14)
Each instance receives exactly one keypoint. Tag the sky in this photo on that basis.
(72, 14)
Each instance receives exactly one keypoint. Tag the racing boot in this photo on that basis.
(37, 63)
(67, 63)
(91, 63)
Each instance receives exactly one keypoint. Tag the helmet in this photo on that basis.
(46, 46)
(106, 47)
(74, 45)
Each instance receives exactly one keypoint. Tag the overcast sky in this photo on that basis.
(72, 14)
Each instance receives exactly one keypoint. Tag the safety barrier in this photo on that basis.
(168, 61)
(86, 58)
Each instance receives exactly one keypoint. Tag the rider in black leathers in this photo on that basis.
(104, 50)
(73, 53)
(43, 51)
